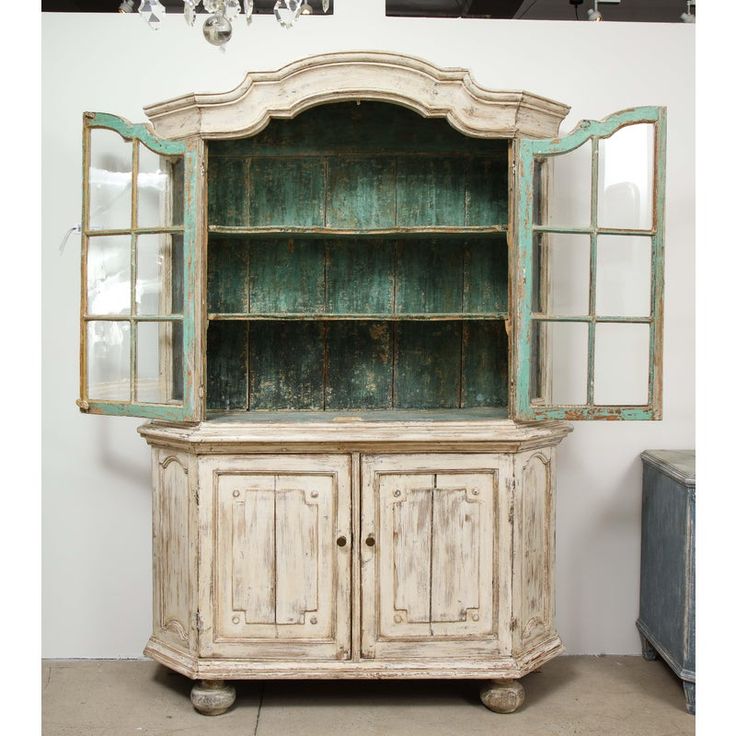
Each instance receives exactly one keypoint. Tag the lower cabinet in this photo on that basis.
(285, 562)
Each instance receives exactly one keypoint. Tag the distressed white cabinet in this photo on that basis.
(339, 553)
(356, 297)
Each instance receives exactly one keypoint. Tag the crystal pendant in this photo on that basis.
(287, 12)
(306, 8)
(248, 10)
(152, 12)
(325, 6)
(217, 29)
(232, 9)
(190, 11)
(214, 6)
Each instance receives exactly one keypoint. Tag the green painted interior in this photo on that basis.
(339, 276)
(321, 322)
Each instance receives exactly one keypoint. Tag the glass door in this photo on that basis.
(589, 270)
(137, 331)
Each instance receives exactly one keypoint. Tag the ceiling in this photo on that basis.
(647, 11)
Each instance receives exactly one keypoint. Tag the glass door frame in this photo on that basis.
(529, 152)
(188, 409)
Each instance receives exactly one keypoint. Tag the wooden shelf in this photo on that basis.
(322, 232)
(278, 316)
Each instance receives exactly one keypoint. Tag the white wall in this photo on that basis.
(96, 494)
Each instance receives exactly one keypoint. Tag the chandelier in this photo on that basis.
(218, 27)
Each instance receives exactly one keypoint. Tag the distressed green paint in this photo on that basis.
(178, 195)
(185, 188)
(359, 365)
(485, 364)
(360, 277)
(427, 365)
(287, 276)
(227, 366)
(430, 277)
(361, 193)
(385, 168)
(528, 151)
(228, 192)
(145, 411)
(135, 131)
(284, 192)
(430, 191)
(485, 281)
(486, 192)
(353, 365)
(366, 128)
(656, 346)
(365, 168)
(286, 365)
(227, 275)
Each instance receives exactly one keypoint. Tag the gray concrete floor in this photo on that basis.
(570, 696)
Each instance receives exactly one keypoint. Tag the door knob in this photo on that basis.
(342, 541)
(370, 540)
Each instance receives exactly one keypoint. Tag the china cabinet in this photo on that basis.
(357, 303)
(666, 620)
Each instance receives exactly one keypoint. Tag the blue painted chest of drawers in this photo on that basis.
(667, 589)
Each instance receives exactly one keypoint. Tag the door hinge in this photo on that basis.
(200, 391)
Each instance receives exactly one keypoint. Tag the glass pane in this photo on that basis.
(111, 164)
(108, 274)
(560, 362)
(160, 194)
(568, 202)
(564, 271)
(158, 288)
(624, 276)
(621, 364)
(626, 177)
(159, 363)
(108, 361)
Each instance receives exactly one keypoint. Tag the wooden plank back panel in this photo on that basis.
(314, 365)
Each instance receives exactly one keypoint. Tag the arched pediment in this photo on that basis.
(384, 77)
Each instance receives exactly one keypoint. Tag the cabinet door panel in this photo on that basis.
(280, 583)
(431, 582)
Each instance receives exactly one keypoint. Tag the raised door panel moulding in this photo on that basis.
(383, 77)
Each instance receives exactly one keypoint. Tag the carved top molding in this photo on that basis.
(384, 77)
